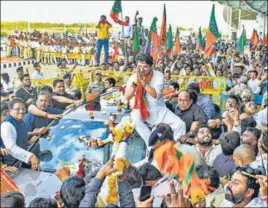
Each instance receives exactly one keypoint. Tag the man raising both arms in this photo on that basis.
(145, 87)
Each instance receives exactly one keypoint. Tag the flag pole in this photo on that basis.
(123, 34)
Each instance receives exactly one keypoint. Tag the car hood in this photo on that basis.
(33, 184)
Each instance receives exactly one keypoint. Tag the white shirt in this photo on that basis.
(253, 85)
(127, 32)
(261, 118)
(9, 137)
(156, 82)
(211, 154)
(7, 86)
(37, 75)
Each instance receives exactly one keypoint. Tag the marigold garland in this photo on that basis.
(117, 133)
(121, 164)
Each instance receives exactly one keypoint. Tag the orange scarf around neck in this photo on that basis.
(140, 102)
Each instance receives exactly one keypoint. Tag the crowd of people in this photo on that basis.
(228, 147)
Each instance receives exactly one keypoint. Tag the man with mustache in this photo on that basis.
(243, 191)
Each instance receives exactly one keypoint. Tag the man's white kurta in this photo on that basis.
(158, 111)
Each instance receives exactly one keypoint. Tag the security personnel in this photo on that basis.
(52, 54)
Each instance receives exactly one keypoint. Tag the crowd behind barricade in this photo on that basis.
(224, 150)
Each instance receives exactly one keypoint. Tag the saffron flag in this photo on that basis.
(212, 34)
(171, 161)
(7, 183)
(163, 30)
(169, 41)
(177, 42)
(136, 41)
(242, 41)
(116, 10)
(154, 39)
(265, 40)
(254, 39)
(200, 42)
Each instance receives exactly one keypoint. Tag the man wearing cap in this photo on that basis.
(52, 53)
(67, 77)
(98, 85)
(150, 109)
(6, 96)
(16, 80)
(37, 74)
(174, 158)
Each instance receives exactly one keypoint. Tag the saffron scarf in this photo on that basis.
(172, 161)
(7, 183)
(140, 102)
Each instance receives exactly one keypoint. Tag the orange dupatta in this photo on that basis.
(7, 184)
(140, 102)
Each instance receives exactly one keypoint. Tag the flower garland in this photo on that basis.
(117, 132)
(121, 164)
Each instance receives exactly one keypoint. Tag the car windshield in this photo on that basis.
(63, 148)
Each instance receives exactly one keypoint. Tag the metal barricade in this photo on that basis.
(211, 86)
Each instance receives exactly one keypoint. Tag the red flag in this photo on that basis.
(254, 39)
(163, 30)
(177, 42)
(265, 40)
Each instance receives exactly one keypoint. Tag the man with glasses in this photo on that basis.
(27, 92)
(15, 135)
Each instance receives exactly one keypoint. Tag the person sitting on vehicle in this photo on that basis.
(59, 90)
(97, 86)
(35, 122)
(13, 200)
(15, 135)
(27, 92)
(150, 109)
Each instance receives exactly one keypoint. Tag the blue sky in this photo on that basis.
(179, 13)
